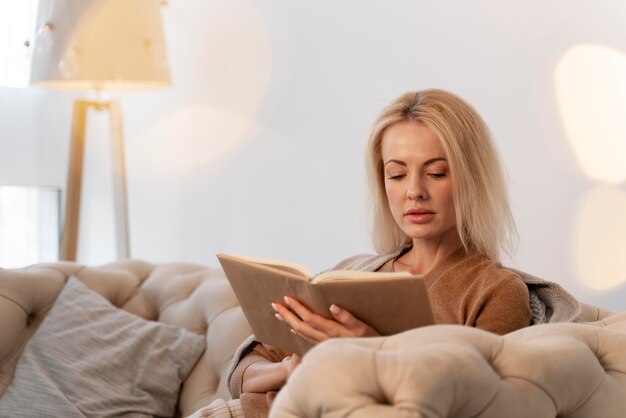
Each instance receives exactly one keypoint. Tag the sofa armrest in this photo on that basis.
(547, 370)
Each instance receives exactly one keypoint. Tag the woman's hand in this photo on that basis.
(290, 363)
(315, 328)
(264, 376)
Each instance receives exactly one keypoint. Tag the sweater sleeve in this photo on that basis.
(506, 309)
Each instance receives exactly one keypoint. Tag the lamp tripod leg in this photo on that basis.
(69, 238)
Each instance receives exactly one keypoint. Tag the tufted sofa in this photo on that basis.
(573, 370)
(188, 295)
(565, 370)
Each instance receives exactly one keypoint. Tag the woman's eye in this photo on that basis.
(437, 175)
(396, 177)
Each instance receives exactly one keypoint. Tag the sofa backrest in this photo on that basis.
(196, 297)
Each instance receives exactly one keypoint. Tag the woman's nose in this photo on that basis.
(416, 191)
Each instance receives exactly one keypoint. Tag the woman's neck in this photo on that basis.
(425, 254)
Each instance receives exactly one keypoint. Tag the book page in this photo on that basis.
(358, 275)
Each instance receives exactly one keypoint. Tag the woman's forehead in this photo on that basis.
(410, 141)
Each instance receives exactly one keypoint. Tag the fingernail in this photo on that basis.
(274, 307)
(293, 331)
(335, 309)
(278, 316)
(287, 300)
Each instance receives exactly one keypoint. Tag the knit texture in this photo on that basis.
(548, 301)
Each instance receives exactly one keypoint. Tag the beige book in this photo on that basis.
(389, 302)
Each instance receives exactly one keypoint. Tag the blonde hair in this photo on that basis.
(483, 216)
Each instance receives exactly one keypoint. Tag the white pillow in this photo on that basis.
(90, 358)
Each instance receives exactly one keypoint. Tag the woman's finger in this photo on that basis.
(309, 339)
(298, 326)
(328, 326)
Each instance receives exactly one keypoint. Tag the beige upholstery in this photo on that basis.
(192, 296)
(565, 370)
(592, 313)
(569, 370)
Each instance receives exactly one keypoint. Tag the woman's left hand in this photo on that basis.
(315, 328)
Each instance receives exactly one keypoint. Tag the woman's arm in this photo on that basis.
(254, 352)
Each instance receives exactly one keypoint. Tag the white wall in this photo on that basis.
(258, 147)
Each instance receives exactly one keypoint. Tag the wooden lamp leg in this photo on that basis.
(69, 239)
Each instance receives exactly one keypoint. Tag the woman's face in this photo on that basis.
(418, 182)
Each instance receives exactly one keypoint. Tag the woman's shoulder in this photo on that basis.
(548, 300)
(481, 268)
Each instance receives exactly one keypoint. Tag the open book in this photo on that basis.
(388, 302)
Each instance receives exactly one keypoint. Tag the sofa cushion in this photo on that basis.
(89, 357)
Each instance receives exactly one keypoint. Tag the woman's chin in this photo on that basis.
(430, 232)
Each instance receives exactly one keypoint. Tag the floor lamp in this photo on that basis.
(98, 46)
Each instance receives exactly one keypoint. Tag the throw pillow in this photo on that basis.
(90, 358)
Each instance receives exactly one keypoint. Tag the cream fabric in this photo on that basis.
(548, 370)
(192, 296)
(90, 358)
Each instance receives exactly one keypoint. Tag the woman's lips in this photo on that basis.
(419, 216)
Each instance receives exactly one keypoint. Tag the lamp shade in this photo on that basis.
(86, 45)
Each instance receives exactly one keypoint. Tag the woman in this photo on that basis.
(440, 209)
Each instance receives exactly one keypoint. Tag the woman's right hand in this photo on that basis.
(264, 376)
(315, 328)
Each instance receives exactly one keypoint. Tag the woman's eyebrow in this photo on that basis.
(395, 161)
(433, 160)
